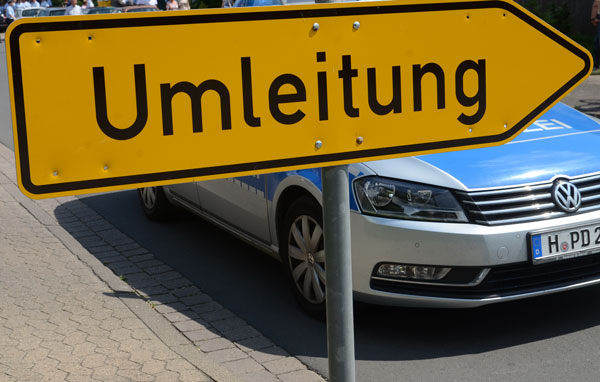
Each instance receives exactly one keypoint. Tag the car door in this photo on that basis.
(185, 192)
(240, 201)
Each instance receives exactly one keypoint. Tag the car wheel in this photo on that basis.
(155, 203)
(303, 254)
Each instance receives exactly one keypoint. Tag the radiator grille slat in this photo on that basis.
(526, 203)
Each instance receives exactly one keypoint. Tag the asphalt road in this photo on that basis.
(553, 338)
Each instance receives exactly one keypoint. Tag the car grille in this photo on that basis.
(507, 280)
(526, 203)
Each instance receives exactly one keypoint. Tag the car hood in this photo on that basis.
(563, 142)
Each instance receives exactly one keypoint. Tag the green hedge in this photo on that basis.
(559, 16)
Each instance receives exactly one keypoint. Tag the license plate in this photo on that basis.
(565, 243)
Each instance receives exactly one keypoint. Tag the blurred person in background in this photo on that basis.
(172, 5)
(22, 4)
(9, 11)
(184, 5)
(46, 3)
(73, 8)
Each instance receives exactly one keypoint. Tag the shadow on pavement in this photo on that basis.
(178, 278)
(250, 284)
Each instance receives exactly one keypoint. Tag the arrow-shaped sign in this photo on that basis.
(171, 97)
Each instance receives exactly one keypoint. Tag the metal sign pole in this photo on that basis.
(338, 267)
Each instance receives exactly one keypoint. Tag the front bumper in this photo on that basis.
(501, 249)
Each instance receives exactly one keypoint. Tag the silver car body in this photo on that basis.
(561, 145)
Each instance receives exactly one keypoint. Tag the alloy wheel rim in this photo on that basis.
(148, 196)
(306, 257)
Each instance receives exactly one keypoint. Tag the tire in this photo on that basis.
(303, 254)
(155, 204)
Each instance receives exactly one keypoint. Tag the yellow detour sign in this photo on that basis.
(170, 97)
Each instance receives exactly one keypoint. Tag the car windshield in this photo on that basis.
(101, 10)
(141, 10)
(57, 12)
(30, 12)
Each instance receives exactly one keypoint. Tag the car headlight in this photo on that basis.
(404, 200)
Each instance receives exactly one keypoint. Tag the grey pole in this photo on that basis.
(338, 267)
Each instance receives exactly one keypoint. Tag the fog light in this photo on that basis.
(413, 272)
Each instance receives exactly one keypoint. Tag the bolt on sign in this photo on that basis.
(170, 97)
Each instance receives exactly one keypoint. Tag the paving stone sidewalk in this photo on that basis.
(80, 301)
(60, 322)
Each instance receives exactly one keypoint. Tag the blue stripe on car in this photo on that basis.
(313, 175)
(256, 182)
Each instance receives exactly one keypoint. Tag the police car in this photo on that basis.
(458, 229)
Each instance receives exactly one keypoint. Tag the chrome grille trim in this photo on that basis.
(526, 203)
(513, 200)
(590, 199)
(586, 179)
(533, 207)
(588, 209)
(589, 189)
(509, 190)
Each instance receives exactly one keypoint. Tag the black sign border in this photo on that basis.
(19, 105)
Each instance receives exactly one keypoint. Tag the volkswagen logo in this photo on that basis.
(566, 196)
